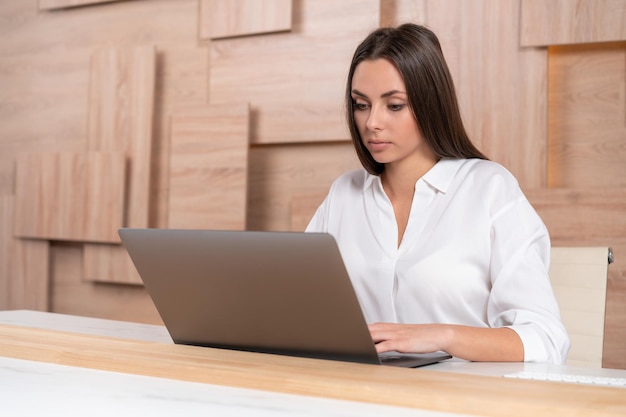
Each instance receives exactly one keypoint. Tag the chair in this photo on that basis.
(579, 280)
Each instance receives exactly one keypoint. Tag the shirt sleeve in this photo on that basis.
(521, 296)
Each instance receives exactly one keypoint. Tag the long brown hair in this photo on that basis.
(416, 53)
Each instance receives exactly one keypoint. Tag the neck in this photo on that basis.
(401, 179)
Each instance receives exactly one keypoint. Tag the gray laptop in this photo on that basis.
(273, 292)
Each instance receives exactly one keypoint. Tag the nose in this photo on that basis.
(375, 119)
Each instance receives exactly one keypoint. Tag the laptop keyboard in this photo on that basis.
(391, 358)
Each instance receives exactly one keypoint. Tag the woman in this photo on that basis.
(444, 250)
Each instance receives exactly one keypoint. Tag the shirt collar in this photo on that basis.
(370, 180)
(439, 177)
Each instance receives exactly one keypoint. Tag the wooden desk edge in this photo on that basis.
(414, 388)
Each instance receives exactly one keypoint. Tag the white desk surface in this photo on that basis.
(29, 388)
(67, 391)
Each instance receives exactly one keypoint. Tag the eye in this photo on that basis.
(396, 107)
(359, 105)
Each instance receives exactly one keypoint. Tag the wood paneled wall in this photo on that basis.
(559, 22)
(209, 167)
(63, 4)
(70, 195)
(232, 18)
(541, 88)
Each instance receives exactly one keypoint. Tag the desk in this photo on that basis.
(129, 365)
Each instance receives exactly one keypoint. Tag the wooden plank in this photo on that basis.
(587, 118)
(297, 82)
(71, 294)
(303, 207)
(64, 4)
(29, 275)
(578, 214)
(120, 117)
(24, 279)
(109, 263)
(121, 111)
(301, 121)
(557, 22)
(181, 80)
(45, 71)
(280, 171)
(501, 88)
(396, 12)
(231, 18)
(447, 392)
(209, 167)
(6, 240)
(114, 302)
(70, 196)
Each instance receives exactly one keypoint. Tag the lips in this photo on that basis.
(378, 145)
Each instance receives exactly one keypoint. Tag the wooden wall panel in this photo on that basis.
(587, 118)
(62, 4)
(501, 88)
(71, 294)
(303, 208)
(30, 277)
(278, 172)
(557, 22)
(120, 118)
(396, 12)
(123, 82)
(108, 264)
(45, 71)
(24, 266)
(577, 215)
(231, 18)
(6, 240)
(181, 80)
(209, 167)
(70, 196)
(42, 107)
(296, 83)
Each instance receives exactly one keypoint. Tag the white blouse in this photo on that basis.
(474, 253)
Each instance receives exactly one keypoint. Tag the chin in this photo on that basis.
(381, 160)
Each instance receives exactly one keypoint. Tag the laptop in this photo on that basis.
(284, 293)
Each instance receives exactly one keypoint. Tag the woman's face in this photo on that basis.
(382, 114)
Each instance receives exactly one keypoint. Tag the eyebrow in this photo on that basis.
(384, 95)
